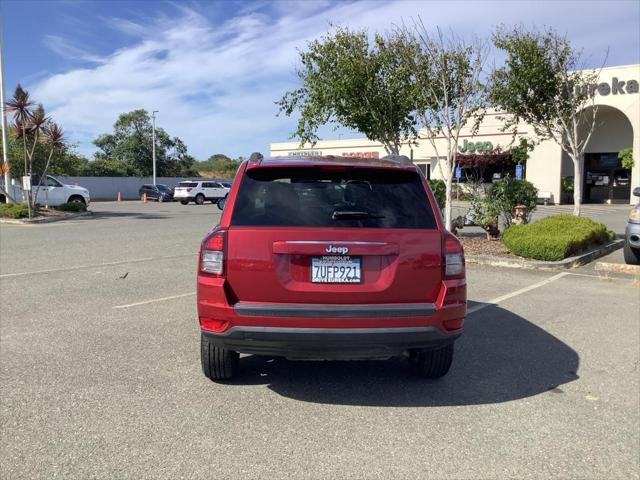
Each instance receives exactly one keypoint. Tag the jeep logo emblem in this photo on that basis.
(340, 250)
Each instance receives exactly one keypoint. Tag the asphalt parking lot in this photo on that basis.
(100, 373)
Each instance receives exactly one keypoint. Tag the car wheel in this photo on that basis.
(199, 199)
(631, 255)
(217, 363)
(431, 363)
(184, 202)
(76, 199)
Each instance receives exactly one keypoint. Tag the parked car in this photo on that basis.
(631, 249)
(53, 192)
(199, 191)
(159, 192)
(330, 258)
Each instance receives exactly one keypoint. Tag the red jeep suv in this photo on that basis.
(330, 258)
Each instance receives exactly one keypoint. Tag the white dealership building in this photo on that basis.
(605, 180)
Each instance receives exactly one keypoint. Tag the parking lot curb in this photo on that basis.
(35, 221)
(566, 264)
(618, 268)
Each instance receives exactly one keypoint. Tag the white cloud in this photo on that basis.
(215, 83)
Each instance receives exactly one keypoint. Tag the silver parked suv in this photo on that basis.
(632, 234)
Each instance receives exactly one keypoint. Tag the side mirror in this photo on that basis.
(221, 203)
(636, 192)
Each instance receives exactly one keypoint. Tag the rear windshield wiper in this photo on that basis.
(347, 214)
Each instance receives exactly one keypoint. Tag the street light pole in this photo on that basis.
(153, 116)
(7, 175)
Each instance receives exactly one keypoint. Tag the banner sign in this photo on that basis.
(308, 153)
(361, 154)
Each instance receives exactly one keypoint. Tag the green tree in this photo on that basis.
(520, 153)
(543, 83)
(353, 82)
(108, 167)
(69, 163)
(63, 162)
(219, 165)
(132, 144)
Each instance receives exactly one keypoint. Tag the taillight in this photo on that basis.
(453, 258)
(189, 189)
(212, 253)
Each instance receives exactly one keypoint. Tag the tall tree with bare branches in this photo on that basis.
(448, 90)
(545, 84)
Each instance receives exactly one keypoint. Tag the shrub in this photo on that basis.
(556, 237)
(567, 185)
(72, 207)
(626, 157)
(439, 189)
(509, 192)
(14, 210)
(484, 211)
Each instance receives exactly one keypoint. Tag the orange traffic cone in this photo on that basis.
(144, 198)
(119, 199)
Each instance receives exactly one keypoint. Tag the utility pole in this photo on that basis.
(153, 116)
(7, 175)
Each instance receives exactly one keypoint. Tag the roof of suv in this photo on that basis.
(402, 163)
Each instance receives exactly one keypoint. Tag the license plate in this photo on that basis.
(335, 269)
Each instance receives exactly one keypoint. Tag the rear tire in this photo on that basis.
(631, 255)
(431, 363)
(184, 202)
(200, 199)
(217, 363)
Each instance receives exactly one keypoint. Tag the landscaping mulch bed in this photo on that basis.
(48, 212)
(480, 245)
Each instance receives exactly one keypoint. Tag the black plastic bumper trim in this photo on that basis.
(329, 343)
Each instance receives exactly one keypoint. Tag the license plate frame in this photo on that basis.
(327, 269)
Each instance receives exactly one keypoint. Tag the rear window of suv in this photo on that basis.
(316, 197)
(188, 184)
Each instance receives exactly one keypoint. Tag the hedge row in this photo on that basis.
(14, 210)
(72, 207)
(556, 237)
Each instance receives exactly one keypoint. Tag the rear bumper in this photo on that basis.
(329, 343)
(330, 330)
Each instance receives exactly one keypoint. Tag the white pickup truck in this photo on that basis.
(52, 192)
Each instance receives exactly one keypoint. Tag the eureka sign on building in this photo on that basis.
(616, 87)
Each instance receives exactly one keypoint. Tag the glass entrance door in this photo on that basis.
(605, 179)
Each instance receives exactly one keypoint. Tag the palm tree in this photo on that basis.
(20, 107)
(34, 127)
(54, 139)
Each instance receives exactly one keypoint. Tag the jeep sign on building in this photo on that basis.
(605, 179)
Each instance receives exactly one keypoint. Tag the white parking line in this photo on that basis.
(94, 265)
(162, 299)
(502, 298)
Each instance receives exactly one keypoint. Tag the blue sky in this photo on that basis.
(214, 69)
